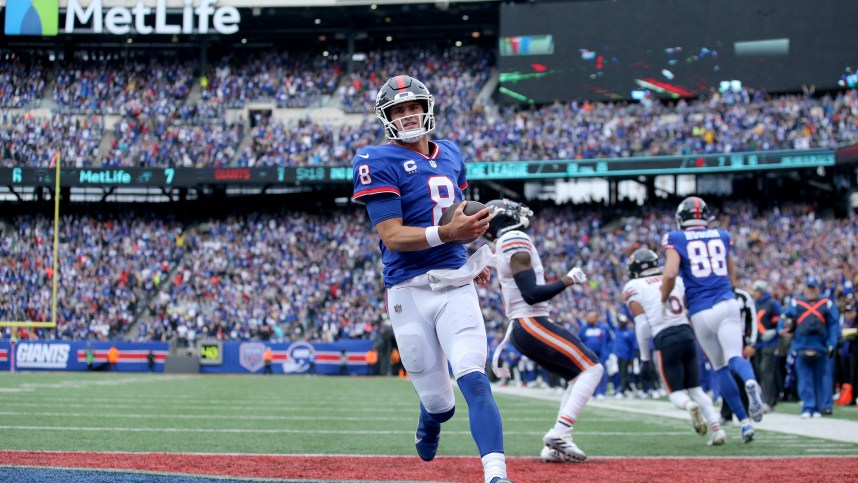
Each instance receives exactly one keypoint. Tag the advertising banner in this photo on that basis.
(43, 355)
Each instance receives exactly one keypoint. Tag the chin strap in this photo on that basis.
(502, 372)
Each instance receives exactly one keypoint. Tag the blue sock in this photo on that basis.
(436, 418)
(730, 392)
(743, 368)
(486, 427)
(429, 431)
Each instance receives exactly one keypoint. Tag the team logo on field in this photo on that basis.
(250, 355)
(410, 166)
(299, 358)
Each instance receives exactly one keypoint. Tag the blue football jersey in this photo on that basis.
(703, 257)
(426, 186)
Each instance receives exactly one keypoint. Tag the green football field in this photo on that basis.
(321, 415)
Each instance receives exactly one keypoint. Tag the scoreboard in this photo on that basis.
(476, 171)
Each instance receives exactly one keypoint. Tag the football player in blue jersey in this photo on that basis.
(701, 256)
(406, 184)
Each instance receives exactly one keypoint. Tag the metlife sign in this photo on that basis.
(40, 17)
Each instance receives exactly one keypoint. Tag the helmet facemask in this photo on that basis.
(509, 216)
(425, 121)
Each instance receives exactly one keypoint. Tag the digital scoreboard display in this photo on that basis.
(476, 171)
(600, 50)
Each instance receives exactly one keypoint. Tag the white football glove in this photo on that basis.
(664, 310)
(577, 275)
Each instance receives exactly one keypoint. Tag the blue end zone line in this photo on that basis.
(36, 474)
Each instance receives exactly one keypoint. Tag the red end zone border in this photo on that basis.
(442, 469)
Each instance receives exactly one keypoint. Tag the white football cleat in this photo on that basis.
(551, 455)
(755, 401)
(718, 438)
(564, 444)
(697, 420)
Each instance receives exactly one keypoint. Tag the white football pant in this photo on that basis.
(719, 332)
(427, 325)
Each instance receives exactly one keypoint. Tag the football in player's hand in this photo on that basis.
(471, 208)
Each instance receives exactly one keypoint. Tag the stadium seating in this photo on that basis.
(174, 115)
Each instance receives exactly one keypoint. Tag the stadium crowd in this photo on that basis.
(156, 92)
(296, 275)
(312, 269)
(23, 77)
(138, 142)
(289, 79)
(27, 140)
(105, 83)
(108, 266)
(283, 276)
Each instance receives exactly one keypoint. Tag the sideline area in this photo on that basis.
(825, 428)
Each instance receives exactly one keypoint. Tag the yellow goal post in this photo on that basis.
(56, 274)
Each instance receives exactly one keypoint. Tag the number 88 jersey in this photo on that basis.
(703, 255)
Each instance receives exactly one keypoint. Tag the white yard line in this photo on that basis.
(825, 428)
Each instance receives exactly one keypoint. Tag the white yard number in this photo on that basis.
(707, 258)
(363, 174)
(443, 198)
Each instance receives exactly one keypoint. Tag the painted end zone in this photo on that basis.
(376, 468)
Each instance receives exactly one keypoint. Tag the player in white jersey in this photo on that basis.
(675, 348)
(525, 296)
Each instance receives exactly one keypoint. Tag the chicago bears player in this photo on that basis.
(676, 350)
(431, 298)
(525, 296)
(702, 257)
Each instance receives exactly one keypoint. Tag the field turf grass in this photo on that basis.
(319, 415)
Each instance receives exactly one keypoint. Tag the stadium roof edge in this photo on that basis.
(278, 3)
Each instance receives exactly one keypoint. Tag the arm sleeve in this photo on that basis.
(372, 177)
(533, 293)
(383, 207)
(643, 334)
